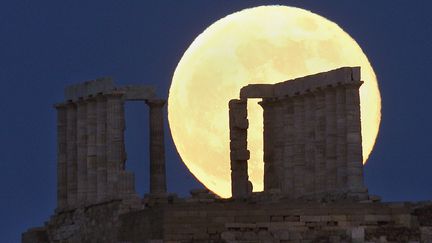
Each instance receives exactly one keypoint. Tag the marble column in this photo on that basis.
(91, 151)
(115, 142)
(71, 153)
(341, 148)
(270, 178)
(354, 139)
(309, 137)
(61, 157)
(81, 151)
(157, 147)
(239, 155)
(320, 126)
(288, 180)
(101, 148)
(299, 147)
(331, 137)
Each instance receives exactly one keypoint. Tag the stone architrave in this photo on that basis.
(238, 123)
(71, 153)
(62, 157)
(81, 151)
(157, 147)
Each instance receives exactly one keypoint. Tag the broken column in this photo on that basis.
(157, 147)
(61, 156)
(238, 124)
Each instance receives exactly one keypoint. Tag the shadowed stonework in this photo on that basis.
(312, 136)
(313, 173)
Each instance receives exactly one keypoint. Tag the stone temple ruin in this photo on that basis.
(312, 136)
(313, 173)
(91, 147)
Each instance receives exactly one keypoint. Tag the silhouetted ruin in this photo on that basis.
(313, 173)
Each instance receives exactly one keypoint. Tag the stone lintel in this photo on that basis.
(92, 87)
(139, 92)
(299, 86)
(340, 76)
(106, 86)
(257, 91)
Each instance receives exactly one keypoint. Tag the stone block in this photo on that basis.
(85, 89)
(257, 91)
(357, 234)
(306, 218)
(243, 154)
(139, 92)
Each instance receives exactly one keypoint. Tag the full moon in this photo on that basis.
(267, 44)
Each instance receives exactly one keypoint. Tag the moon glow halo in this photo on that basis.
(267, 44)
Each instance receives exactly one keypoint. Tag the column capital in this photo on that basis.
(155, 102)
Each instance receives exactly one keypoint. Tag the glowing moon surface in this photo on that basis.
(266, 44)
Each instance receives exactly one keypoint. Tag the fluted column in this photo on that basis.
(341, 148)
(309, 137)
(101, 146)
(71, 154)
(354, 139)
(288, 186)
(91, 151)
(61, 156)
(330, 134)
(320, 126)
(81, 151)
(115, 142)
(157, 147)
(274, 144)
(239, 155)
(299, 146)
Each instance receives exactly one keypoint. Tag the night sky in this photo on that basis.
(46, 45)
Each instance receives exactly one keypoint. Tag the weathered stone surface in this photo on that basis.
(312, 135)
(240, 221)
(139, 92)
(93, 87)
(157, 147)
(313, 178)
(257, 91)
(239, 155)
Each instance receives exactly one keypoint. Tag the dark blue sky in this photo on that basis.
(45, 45)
